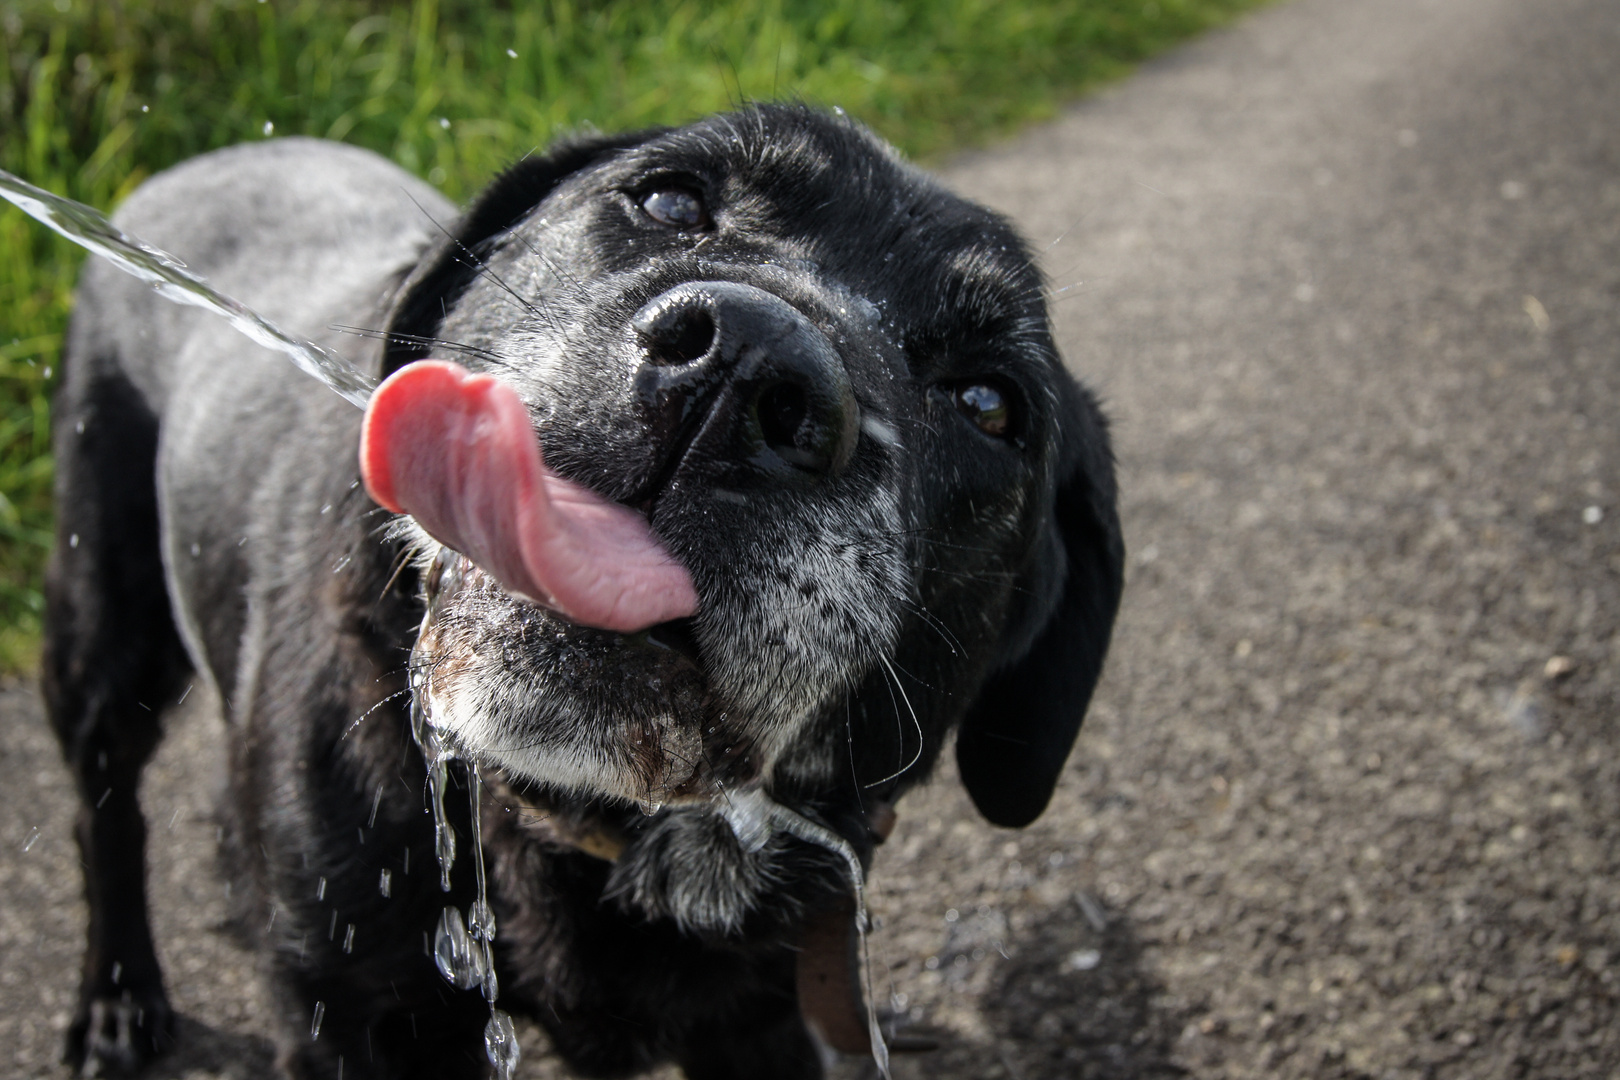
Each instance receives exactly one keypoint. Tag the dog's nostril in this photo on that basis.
(783, 408)
(678, 336)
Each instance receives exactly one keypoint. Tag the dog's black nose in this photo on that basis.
(747, 375)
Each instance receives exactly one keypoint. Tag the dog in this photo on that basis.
(826, 391)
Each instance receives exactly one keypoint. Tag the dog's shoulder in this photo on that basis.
(286, 226)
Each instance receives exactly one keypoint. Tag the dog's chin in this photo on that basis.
(573, 709)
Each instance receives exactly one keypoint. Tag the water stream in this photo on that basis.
(169, 277)
(463, 949)
(754, 816)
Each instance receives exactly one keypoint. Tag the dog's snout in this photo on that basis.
(747, 376)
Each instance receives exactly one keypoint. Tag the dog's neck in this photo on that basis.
(827, 965)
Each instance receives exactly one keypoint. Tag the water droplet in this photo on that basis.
(320, 889)
(196, 550)
(459, 958)
(78, 428)
(73, 540)
(269, 126)
(444, 837)
(315, 1022)
(444, 122)
(481, 920)
(117, 972)
(501, 1044)
(33, 838)
(348, 939)
(512, 53)
(1082, 960)
(385, 883)
(146, 108)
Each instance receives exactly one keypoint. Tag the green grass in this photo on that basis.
(96, 95)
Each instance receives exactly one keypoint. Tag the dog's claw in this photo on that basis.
(118, 1036)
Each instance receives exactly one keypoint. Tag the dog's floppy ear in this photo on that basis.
(1017, 734)
(450, 265)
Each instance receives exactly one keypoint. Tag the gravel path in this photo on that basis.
(1349, 802)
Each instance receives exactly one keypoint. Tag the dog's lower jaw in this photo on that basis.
(645, 762)
(580, 711)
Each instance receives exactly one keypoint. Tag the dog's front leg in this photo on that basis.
(334, 805)
(112, 661)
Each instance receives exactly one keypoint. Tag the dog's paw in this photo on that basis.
(119, 1036)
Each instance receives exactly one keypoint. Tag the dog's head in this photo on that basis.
(831, 387)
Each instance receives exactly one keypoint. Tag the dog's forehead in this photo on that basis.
(840, 194)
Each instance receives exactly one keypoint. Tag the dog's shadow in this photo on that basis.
(204, 1052)
(1074, 1001)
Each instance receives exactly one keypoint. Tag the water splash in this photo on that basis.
(169, 277)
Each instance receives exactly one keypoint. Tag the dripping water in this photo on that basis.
(754, 816)
(464, 950)
(169, 277)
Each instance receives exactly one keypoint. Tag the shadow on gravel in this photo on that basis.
(205, 1051)
(1075, 1003)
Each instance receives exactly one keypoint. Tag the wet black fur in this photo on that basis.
(304, 617)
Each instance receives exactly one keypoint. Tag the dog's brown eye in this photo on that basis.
(986, 406)
(675, 207)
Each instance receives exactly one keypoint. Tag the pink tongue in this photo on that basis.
(456, 451)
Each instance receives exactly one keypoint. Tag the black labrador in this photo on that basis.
(828, 389)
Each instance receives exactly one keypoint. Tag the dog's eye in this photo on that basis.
(675, 207)
(986, 406)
